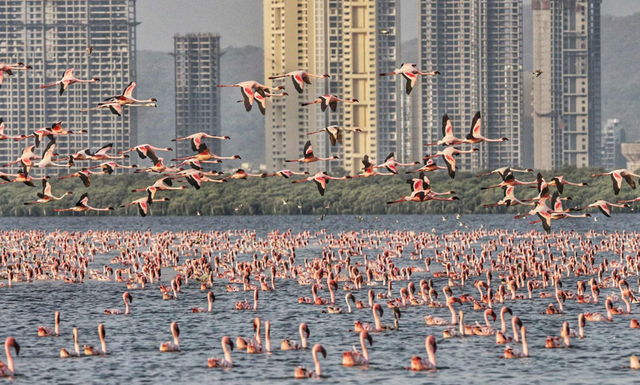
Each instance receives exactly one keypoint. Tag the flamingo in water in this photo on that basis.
(295, 345)
(9, 369)
(67, 80)
(64, 353)
(226, 362)
(175, 345)
(91, 351)
(420, 364)
(354, 357)
(44, 331)
(302, 372)
(127, 298)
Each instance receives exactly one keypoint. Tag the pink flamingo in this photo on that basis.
(91, 351)
(44, 331)
(226, 362)
(210, 298)
(67, 80)
(299, 78)
(354, 357)
(175, 345)
(420, 364)
(127, 298)
(302, 372)
(64, 353)
(295, 345)
(9, 369)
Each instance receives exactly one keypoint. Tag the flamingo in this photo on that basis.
(559, 182)
(126, 97)
(302, 372)
(409, 72)
(599, 317)
(502, 171)
(511, 352)
(205, 155)
(391, 165)
(2, 134)
(448, 138)
(22, 177)
(559, 342)
(110, 167)
(210, 299)
(47, 157)
(581, 323)
(509, 199)
(429, 165)
(474, 136)
(196, 164)
(321, 179)
(83, 205)
(196, 139)
(603, 206)
(242, 174)
(158, 167)
(146, 150)
(509, 179)
(308, 156)
(448, 155)
(299, 78)
(162, 184)
(127, 298)
(369, 170)
(44, 331)
(64, 353)
(84, 175)
(175, 345)
(245, 305)
(262, 100)
(294, 345)
(9, 68)
(91, 351)
(248, 88)
(9, 369)
(335, 132)
(226, 362)
(46, 195)
(329, 100)
(49, 132)
(67, 80)
(25, 158)
(354, 357)
(617, 176)
(420, 364)
(287, 173)
(437, 321)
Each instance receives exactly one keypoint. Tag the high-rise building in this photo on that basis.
(477, 46)
(54, 36)
(350, 40)
(613, 135)
(197, 74)
(566, 97)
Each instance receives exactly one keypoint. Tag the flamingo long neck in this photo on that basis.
(267, 337)
(257, 337)
(454, 316)
(560, 303)
(371, 299)
(303, 339)
(255, 301)
(432, 355)
(525, 346)
(57, 327)
(462, 331)
(365, 352)
(332, 294)
(580, 329)
(103, 343)
(9, 358)
(210, 305)
(76, 345)
(176, 339)
(317, 361)
(626, 302)
(227, 353)
(376, 319)
(516, 337)
(127, 308)
(348, 304)
(486, 319)
(503, 329)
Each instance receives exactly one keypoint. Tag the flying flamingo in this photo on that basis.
(25, 158)
(146, 150)
(196, 139)
(5, 137)
(64, 353)
(448, 155)
(308, 156)
(336, 133)
(49, 132)
(617, 176)
(46, 195)
(23, 177)
(110, 167)
(226, 362)
(474, 136)
(158, 167)
(448, 138)
(9, 369)
(295, 345)
(102, 351)
(420, 364)
(509, 199)
(369, 170)
(509, 180)
(83, 206)
(205, 154)
(242, 174)
(262, 100)
(67, 80)
(321, 179)
(603, 206)
(163, 184)
(391, 165)
(429, 165)
(329, 100)
(559, 182)
(287, 173)
(409, 72)
(354, 357)
(127, 298)
(302, 372)
(44, 331)
(248, 89)
(299, 78)
(502, 171)
(84, 175)
(115, 103)
(175, 345)
(9, 68)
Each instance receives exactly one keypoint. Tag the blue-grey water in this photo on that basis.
(133, 340)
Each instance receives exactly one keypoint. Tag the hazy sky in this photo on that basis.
(239, 22)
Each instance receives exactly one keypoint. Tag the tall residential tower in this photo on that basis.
(54, 36)
(350, 40)
(477, 46)
(197, 67)
(566, 97)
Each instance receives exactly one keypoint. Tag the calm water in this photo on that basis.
(133, 341)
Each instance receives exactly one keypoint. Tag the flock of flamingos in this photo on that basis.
(485, 271)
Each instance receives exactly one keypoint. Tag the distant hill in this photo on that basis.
(156, 79)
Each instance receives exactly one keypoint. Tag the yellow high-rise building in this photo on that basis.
(352, 41)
